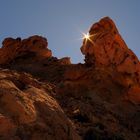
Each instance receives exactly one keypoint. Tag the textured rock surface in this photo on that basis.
(98, 105)
(28, 112)
(106, 48)
(35, 46)
(100, 100)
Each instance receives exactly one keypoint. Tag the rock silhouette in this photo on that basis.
(46, 98)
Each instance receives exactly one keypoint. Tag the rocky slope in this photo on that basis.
(45, 98)
(29, 112)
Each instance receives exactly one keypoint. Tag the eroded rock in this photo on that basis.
(98, 99)
(106, 48)
(29, 112)
(35, 47)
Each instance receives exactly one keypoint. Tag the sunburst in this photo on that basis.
(87, 37)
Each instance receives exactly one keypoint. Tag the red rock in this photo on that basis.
(65, 61)
(98, 99)
(28, 112)
(133, 94)
(7, 126)
(106, 48)
(33, 46)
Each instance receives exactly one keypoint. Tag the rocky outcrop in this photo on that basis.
(33, 47)
(27, 111)
(43, 97)
(32, 55)
(106, 48)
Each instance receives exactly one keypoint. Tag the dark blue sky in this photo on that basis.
(61, 21)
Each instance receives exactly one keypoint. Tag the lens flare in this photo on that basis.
(86, 36)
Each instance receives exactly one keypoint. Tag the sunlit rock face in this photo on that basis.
(106, 48)
(34, 46)
(30, 55)
(28, 112)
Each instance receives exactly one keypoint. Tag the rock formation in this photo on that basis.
(15, 48)
(46, 98)
(28, 112)
(106, 48)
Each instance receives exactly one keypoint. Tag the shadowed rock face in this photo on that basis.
(46, 98)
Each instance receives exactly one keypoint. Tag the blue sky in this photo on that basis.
(61, 22)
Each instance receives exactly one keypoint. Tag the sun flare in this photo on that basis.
(86, 36)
